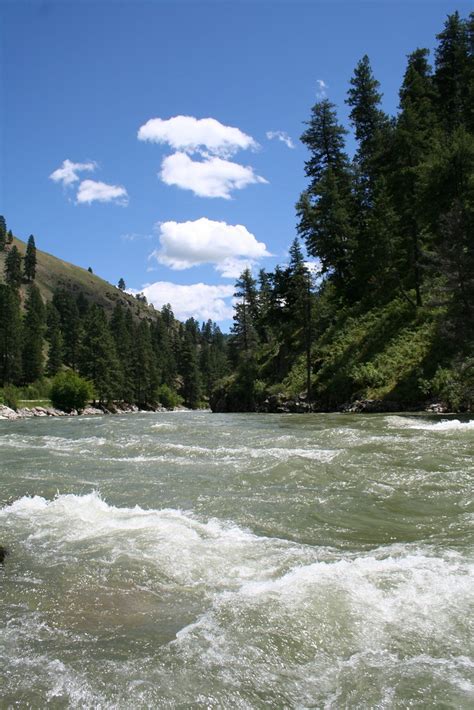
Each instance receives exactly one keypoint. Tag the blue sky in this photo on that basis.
(174, 204)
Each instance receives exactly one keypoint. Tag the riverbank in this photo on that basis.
(6, 413)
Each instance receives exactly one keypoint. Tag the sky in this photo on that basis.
(158, 141)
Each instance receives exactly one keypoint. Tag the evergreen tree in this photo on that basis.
(34, 323)
(373, 132)
(452, 68)
(143, 366)
(68, 311)
(244, 329)
(414, 138)
(29, 264)
(10, 336)
(9, 236)
(3, 232)
(98, 360)
(55, 340)
(13, 268)
(164, 353)
(325, 209)
(121, 285)
(371, 126)
(121, 326)
(191, 387)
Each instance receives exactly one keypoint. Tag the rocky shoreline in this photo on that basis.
(279, 404)
(6, 413)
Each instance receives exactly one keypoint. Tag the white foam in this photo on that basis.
(443, 425)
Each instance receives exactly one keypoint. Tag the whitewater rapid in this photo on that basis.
(230, 561)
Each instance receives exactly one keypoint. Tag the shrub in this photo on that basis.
(168, 397)
(70, 391)
(9, 396)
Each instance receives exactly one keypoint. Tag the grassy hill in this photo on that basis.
(53, 273)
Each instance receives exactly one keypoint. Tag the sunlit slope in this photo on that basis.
(53, 273)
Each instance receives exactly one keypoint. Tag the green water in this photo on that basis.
(195, 560)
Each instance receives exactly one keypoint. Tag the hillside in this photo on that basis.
(53, 273)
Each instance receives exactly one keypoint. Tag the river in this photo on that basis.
(196, 560)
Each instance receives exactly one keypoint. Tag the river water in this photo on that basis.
(196, 560)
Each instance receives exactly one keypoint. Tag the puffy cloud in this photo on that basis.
(281, 136)
(93, 191)
(229, 247)
(190, 134)
(67, 173)
(200, 301)
(212, 177)
(321, 87)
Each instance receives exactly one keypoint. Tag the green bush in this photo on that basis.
(70, 391)
(9, 396)
(455, 386)
(168, 397)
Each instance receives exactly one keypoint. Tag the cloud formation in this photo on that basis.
(213, 177)
(281, 136)
(200, 301)
(231, 248)
(94, 191)
(191, 135)
(67, 173)
(213, 174)
(321, 87)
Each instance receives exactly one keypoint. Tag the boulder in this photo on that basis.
(7, 413)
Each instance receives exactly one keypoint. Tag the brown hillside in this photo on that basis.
(53, 273)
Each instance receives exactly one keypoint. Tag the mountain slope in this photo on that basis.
(53, 273)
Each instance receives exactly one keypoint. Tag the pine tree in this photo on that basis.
(373, 131)
(33, 334)
(13, 261)
(414, 138)
(55, 340)
(325, 209)
(371, 125)
(452, 69)
(191, 387)
(29, 264)
(244, 329)
(10, 336)
(9, 236)
(3, 232)
(121, 285)
(98, 359)
(143, 366)
(70, 325)
(121, 326)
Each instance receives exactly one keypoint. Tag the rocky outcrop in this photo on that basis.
(280, 404)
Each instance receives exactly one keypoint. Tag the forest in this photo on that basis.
(387, 315)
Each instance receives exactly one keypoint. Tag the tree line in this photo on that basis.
(393, 223)
(156, 359)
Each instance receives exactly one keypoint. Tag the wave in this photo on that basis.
(443, 425)
(293, 623)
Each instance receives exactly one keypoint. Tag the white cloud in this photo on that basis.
(93, 191)
(231, 248)
(201, 301)
(67, 173)
(191, 135)
(281, 136)
(321, 89)
(212, 177)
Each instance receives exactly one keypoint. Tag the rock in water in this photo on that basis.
(3, 554)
